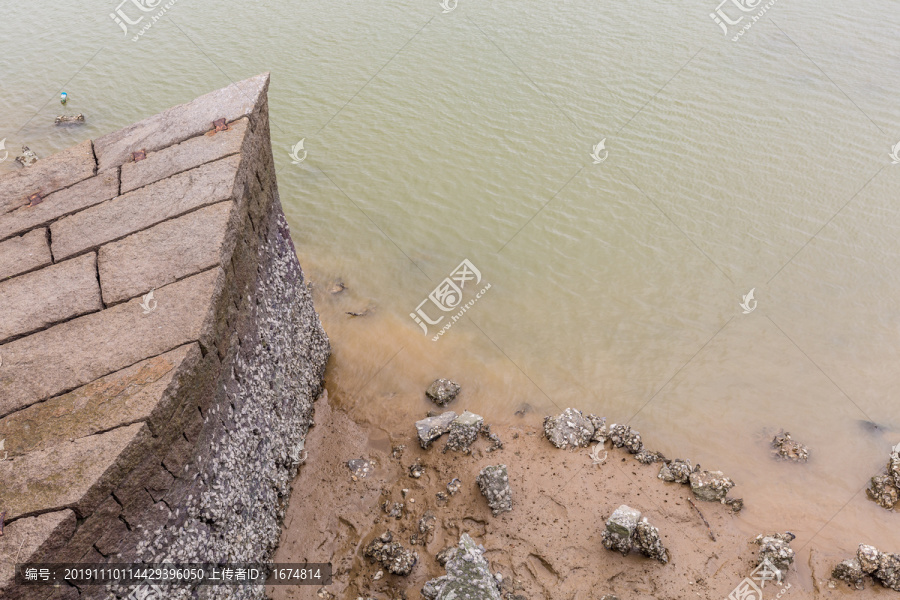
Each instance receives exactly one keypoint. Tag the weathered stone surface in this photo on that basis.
(785, 447)
(850, 571)
(493, 481)
(24, 253)
(33, 537)
(95, 345)
(145, 207)
(711, 486)
(75, 475)
(648, 542)
(776, 548)
(463, 432)
(89, 192)
(442, 391)
(431, 428)
(623, 435)
(186, 155)
(468, 575)
(36, 300)
(165, 253)
(569, 429)
(121, 398)
(50, 174)
(678, 471)
(391, 555)
(181, 122)
(620, 527)
(868, 557)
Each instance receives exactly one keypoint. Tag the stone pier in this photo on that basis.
(159, 350)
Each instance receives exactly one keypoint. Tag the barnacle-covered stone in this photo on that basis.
(883, 490)
(442, 391)
(648, 457)
(787, 448)
(776, 548)
(620, 527)
(463, 432)
(570, 429)
(648, 542)
(431, 428)
(391, 555)
(868, 557)
(468, 575)
(711, 486)
(493, 481)
(623, 435)
(850, 571)
(677, 470)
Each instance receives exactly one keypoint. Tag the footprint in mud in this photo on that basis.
(543, 571)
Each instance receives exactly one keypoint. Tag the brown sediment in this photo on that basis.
(548, 546)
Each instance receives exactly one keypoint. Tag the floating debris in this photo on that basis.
(786, 448)
(69, 119)
(63, 98)
(337, 287)
(442, 391)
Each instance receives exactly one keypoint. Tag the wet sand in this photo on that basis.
(548, 546)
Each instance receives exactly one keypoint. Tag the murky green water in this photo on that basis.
(434, 137)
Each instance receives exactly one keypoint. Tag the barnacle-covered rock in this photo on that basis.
(468, 575)
(442, 391)
(648, 457)
(620, 527)
(883, 491)
(648, 542)
(463, 432)
(776, 548)
(677, 470)
(623, 435)
(786, 448)
(493, 481)
(570, 429)
(851, 572)
(391, 555)
(431, 428)
(711, 486)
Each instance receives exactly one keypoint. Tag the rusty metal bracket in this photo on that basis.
(35, 199)
(139, 155)
(220, 125)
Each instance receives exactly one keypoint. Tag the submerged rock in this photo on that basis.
(788, 449)
(851, 572)
(359, 468)
(431, 428)
(677, 470)
(623, 435)
(442, 391)
(648, 542)
(711, 486)
(463, 432)
(620, 527)
(28, 157)
(468, 575)
(493, 481)
(776, 548)
(570, 429)
(391, 555)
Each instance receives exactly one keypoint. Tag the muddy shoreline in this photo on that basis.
(548, 546)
